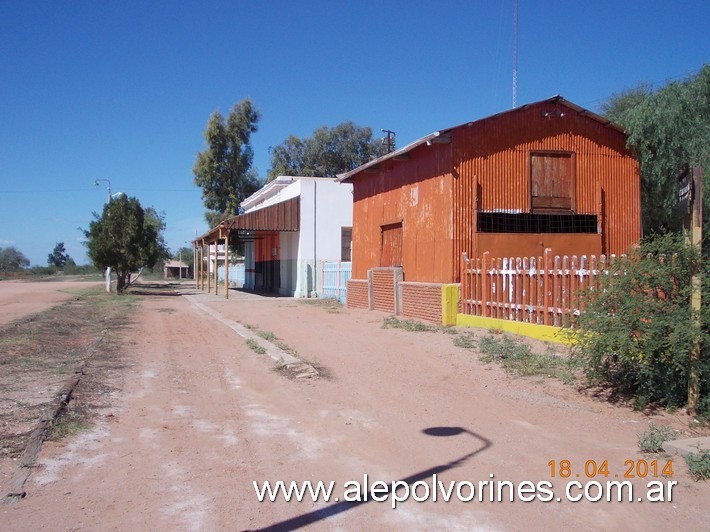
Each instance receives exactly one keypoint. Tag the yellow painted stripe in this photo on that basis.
(546, 333)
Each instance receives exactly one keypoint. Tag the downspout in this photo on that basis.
(315, 229)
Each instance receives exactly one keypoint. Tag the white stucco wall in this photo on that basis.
(326, 207)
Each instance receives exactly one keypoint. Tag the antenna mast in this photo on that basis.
(515, 53)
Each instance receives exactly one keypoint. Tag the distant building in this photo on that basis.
(174, 269)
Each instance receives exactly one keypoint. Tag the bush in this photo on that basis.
(699, 465)
(653, 439)
(636, 332)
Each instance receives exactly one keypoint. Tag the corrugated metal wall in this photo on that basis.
(492, 157)
(436, 192)
(417, 193)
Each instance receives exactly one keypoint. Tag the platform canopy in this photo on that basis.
(283, 216)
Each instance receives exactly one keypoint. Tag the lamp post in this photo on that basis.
(96, 183)
(108, 200)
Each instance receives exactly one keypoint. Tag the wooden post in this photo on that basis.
(565, 291)
(216, 262)
(202, 265)
(547, 286)
(696, 237)
(486, 292)
(194, 263)
(226, 266)
(198, 265)
(209, 266)
(465, 297)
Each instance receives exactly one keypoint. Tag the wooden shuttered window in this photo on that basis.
(552, 182)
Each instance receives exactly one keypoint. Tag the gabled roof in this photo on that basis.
(443, 135)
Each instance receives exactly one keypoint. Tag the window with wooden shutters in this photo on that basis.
(391, 251)
(552, 182)
(346, 238)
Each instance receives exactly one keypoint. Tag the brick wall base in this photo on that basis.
(422, 300)
(383, 289)
(358, 294)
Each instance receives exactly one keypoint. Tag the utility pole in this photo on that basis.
(390, 139)
(108, 200)
(180, 265)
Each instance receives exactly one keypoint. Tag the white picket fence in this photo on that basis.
(335, 277)
(236, 274)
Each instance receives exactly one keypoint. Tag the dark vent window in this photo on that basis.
(503, 222)
(346, 238)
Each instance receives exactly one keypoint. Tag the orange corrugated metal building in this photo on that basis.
(545, 175)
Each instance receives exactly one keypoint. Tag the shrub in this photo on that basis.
(699, 465)
(408, 325)
(636, 332)
(652, 440)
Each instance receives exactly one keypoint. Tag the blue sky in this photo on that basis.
(123, 90)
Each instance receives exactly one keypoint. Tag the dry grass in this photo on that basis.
(40, 352)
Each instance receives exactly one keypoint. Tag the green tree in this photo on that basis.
(666, 128)
(126, 238)
(12, 260)
(58, 258)
(330, 151)
(224, 169)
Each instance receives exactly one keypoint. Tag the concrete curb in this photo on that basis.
(688, 447)
(300, 368)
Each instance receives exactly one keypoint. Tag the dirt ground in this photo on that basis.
(194, 416)
(19, 298)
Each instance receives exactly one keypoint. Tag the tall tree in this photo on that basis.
(58, 258)
(12, 260)
(666, 128)
(330, 151)
(224, 169)
(126, 238)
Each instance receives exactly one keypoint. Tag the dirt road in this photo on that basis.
(202, 416)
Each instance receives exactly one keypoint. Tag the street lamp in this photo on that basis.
(108, 268)
(96, 183)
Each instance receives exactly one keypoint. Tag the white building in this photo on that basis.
(290, 226)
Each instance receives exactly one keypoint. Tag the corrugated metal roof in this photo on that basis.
(432, 138)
